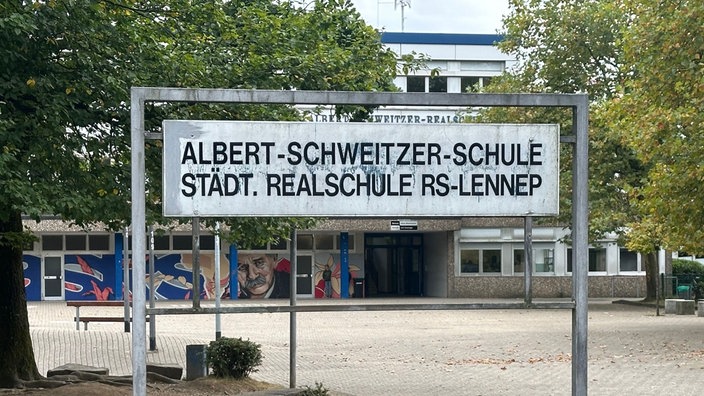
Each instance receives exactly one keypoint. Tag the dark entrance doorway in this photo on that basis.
(393, 264)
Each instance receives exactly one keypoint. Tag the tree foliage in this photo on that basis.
(568, 46)
(641, 63)
(660, 116)
(66, 68)
(573, 47)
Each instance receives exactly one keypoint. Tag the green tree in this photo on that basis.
(660, 114)
(577, 47)
(66, 68)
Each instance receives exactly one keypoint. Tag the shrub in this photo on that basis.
(233, 357)
(687, 267)
(319, 390)
(690, 272)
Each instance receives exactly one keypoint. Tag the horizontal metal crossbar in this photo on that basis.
(199, 95)
(359, 307)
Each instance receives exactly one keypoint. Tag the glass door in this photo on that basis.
(53, 279)
(304, 276)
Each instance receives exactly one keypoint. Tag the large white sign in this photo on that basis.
(226, 168)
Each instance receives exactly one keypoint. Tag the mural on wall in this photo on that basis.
(89, 277)
(93, 277)
(173, 279)
(262, 275)
(173, 276)
(333, 264)
(32, 277)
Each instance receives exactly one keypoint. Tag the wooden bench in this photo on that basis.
(112, 319)
(96, 303)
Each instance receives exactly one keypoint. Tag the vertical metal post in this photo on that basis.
(139, 352)
(195, 226)
(292, 318)
(528, 254)
(218, 326)
(152, 297)
(126, 277)
(580, 250)
(657, 292)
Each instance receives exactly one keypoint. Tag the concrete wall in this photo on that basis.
(545, 287)
(436, 254)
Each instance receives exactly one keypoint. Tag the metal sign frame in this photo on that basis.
(578, 103)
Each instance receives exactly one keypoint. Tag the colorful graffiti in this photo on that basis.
(333, 262)
(93, 277)
(263, 276)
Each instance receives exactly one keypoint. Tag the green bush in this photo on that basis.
(233, 357)
(319, 390)
(690, 272)
(687, 267)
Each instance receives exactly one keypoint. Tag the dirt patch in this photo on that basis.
(200, 387)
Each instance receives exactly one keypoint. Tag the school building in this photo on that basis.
(473, 257)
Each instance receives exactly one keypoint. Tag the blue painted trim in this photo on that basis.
(344, 265)
(234, 286)
(440, 38)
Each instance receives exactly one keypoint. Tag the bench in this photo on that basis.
(112, 319)
(96, 303)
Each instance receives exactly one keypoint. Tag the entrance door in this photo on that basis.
(53, 286)
(304, 276)
(393, 264)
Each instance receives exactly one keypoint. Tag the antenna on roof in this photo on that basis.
(403, 4)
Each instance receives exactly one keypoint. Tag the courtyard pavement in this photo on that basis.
(480, 352)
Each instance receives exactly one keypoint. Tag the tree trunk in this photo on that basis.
(17, 362)
(650, 262)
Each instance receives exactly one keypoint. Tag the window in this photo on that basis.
(597, 260)
(469, 84)
(207, 242)
(162, 242)
(53, 242)
(474, 84)
(182, 242)
(76, 242)
(628, 261)
(480, 261)
(415, 84)
(543, 260)
(519, 260)
(324, 242)
(281, 244)
(305, 242)
(99, 242)
(491, 260)
(437, 84)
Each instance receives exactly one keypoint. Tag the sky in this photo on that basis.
(435, 16)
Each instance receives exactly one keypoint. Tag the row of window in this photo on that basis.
(439, 83)
(489, 261)
(101, 242)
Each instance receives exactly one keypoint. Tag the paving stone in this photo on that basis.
(169, 370)
(69, 368)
